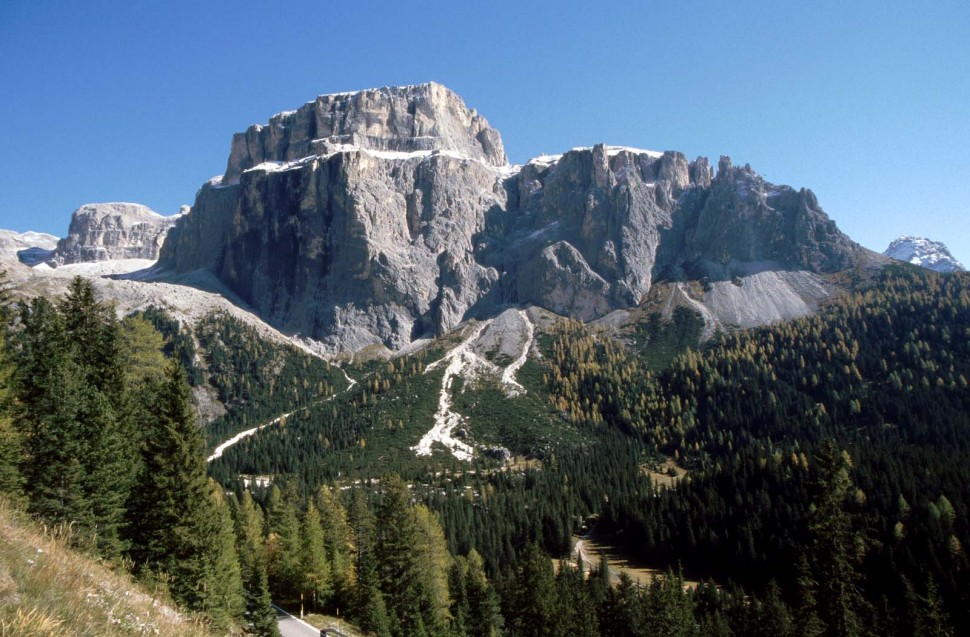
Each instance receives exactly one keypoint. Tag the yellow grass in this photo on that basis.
(663, 477)
(48, 589)
(329, 621)
(592, 551)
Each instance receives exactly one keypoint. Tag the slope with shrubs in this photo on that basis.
(47, 588)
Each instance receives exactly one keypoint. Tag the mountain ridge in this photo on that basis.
(357, 221)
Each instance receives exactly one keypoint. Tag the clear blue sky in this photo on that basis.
(866, 103)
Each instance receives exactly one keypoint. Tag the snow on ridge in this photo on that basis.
(393, 155)
(926, 253)
(611, 151)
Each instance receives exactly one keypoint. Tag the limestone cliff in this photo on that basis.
(380, 216)
(105, 231)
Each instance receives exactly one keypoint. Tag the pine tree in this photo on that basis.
(6, 299)
(531, 606)
(667, 607)
(94, 331)
(77, 457)
(576, 612)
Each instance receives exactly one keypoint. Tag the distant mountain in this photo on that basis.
(30, 248)
(932, 255)
(109, 231)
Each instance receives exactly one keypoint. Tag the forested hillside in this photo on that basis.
(254, 379)
(825, 492)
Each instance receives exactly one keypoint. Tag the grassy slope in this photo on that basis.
(46, 588)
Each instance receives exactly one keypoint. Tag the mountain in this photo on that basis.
(30, 248)
(107, 231)
(932, 255)
(378, 217)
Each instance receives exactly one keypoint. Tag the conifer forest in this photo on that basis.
(808, 478)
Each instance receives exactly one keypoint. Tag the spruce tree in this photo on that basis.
(260, 616)
(532, 604)
(834, 544)
(283, 551)
(172, 525)
(369, 607)
(224, 603)
(47, 391)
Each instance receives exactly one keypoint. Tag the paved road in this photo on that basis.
(291, 626)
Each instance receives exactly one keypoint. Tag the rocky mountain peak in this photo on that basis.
(103, 231)
(932, 255)
(404, 119)
(379, 217)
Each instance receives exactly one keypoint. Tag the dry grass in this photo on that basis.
(667, 475)
(48, 589)
(592, 550)
(329, 621)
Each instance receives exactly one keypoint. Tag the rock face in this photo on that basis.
(406, 119)
(106, 231)
(381, 216)
(30, 248)
(920, 251)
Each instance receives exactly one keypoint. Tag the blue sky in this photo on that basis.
(866, 103)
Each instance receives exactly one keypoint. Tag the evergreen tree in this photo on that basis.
(834, 544)
(224, 602)
(109, 469)
(47, 392)
(172, 526)
(807, 622)
(94, 331)
(931, 619)
(260, 616)
(576, 611)
(369, 606)
(667, 607)
(11, 483)
(77, 452)
(338, 539)
(315, 571)
(283, 551)
(532, 603)
(6, 299)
